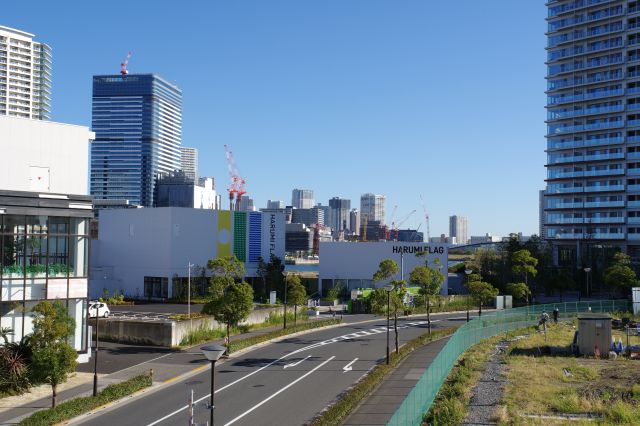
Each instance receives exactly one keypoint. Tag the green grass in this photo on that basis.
(351, 398)
(77, 406)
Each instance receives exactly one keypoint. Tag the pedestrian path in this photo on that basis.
(378, 408)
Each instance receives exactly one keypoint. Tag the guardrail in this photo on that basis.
(419, 400)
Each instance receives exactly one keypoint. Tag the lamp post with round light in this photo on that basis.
(388, 288)
(587, 270)
(212, 353)
(468, 272)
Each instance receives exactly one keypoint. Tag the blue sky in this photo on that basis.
(401, 98)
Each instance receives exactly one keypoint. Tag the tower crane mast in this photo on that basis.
(426, 218)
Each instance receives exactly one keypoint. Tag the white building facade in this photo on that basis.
(458, 229)
(372, 207)
(302, 198)
(25, 75)
(44, 223)
(189, 162)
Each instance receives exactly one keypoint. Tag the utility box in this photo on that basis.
(503, 302)
(594, 330)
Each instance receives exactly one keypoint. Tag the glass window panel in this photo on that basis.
(58, 225)
(13, 256)
(12, 289)
(58, 256)
(11, 313)
(13, 224)
(36, 224)
(36, 256)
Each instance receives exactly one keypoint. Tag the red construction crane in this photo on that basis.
(233, 185)
(123, 65)
(426, 218)
(393, 223)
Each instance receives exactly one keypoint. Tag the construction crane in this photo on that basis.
(426, 218)
(233, 185)
(123, 65)
(393, 224)
(400, 222)
(364, 229)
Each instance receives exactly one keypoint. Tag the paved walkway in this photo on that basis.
(379, 407)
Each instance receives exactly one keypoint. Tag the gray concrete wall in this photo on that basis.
(167, 333)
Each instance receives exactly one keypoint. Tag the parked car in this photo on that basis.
(97, 308)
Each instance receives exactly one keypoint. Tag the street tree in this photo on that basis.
(619, 275)
(225, 271)
(429, 280)
(519, 291)
(232, 307)
(53, 359)
(296, 294)
(387, 269)
(524, 264)
(394, 299)
(482, 293)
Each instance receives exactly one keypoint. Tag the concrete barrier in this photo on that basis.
(166, 333)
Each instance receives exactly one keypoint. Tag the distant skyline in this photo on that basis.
(345, 98)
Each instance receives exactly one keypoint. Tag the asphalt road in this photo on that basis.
(284, 383)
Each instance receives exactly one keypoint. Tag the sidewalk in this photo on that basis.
(378, 407)
(166, 368)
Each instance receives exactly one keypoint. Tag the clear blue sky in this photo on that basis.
(343, 97)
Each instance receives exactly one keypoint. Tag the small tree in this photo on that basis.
(225, 271)
(524, 264)
(430, 281)
(296, 294)
(482, 293)
(232, 307)
(53, 358)
(519, 291)
(380, 299)
(620, 275)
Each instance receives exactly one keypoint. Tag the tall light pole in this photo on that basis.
(388, 288)
(189, 297)
(285, 299)
(212, 353)
(587, 270)
(95, 360)
(468, 272)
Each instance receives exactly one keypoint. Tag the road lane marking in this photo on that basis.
(293, 364)
(306, 348)
(349, 367)
(278, 392)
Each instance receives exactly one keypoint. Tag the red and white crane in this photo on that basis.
(123, 65)
(426, 218)
(236, 182)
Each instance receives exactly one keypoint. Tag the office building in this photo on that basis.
(458, 229)
(137, 119)
(45, 212)
(189, 162)
(326, 214)
(541, 228)
(271, 204)
(372, 207)
(176, 189)
(339, 214)
(309, 217)
(298, 238)
(593, 128)
(25, 75)
(354, 222)
(302, 198)
(246, 204)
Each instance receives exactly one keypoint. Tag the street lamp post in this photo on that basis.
(189, 297)
(587, 270)
(388, 288)
(212, 353)
(285, 300)
(468, 272)
(95, 360)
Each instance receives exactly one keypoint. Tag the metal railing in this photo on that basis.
(419, 400)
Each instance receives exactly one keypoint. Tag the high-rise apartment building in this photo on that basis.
(593, 127)
(189, 162)
(339, 214)
(25, 75)
(137, 119)
(354, 221)
(302, 198)
(271, 204)
(309, 217)
(458, 229)
(372, 207)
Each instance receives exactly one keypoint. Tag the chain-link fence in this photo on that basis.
(419, 400)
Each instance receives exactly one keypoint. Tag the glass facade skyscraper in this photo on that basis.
(592, 198)
(137, 119)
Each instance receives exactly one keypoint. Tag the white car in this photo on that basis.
(100, 309)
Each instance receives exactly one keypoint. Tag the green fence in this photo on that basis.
(419, 400)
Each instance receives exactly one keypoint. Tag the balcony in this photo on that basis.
(565, 205)
(633, 188)
(564, 221)
(633, 203)
(603, 188)
(605, 220)
(633, 171)
(566, 190)
(633, 220)
(633, 155)
(589, 142)
(592, 204)
(633, 237)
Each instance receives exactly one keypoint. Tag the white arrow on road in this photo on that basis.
(293, 364)
(349, 367)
